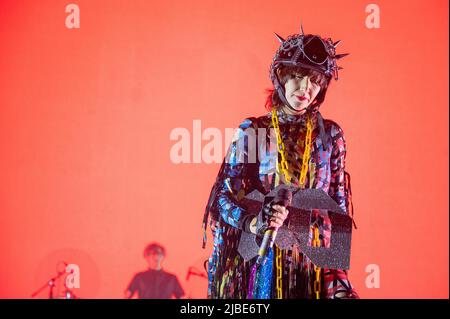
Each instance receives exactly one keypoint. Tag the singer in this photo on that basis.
(309, 152)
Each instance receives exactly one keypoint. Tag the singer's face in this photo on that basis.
(301, 90)
(301, 87)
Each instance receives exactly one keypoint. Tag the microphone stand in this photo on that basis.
(194, 271)
(51, 284)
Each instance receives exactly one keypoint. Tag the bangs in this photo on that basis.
(290, 72)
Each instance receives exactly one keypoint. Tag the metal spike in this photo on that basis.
(279, 38)
(335, 44)
(301, 28)
(339, 56)
(340, 67)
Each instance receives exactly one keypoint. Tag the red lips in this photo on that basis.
(301, 98)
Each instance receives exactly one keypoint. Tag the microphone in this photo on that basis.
(283, 198)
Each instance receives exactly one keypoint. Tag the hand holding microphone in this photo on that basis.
(278, 216)
(274, 215)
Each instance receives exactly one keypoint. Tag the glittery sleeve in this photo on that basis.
(337, 164)
(240, 157)
(335, 280)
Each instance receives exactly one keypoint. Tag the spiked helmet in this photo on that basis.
(307, 51)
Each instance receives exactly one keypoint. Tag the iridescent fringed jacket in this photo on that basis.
(251, 163)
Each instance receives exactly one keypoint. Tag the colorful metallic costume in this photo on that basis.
(249, 166)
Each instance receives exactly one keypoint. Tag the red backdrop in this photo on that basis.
(86, 115)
